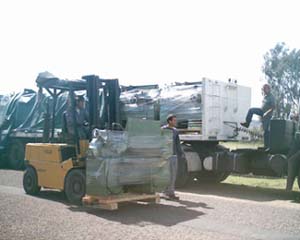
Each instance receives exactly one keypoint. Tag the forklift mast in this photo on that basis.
(103, 100)
(107, 100)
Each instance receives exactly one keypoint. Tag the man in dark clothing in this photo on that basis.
(266, 112)
(178, 154)
(81, 119)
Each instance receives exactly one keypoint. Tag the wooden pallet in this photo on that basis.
(112, 202)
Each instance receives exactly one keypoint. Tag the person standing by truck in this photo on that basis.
(266, 112)
(177, 154)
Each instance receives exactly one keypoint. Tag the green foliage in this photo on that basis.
(282, 71)
(259, 182)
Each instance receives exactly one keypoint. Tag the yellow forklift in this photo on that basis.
(59, 162)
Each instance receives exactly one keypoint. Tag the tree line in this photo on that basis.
(281, 68)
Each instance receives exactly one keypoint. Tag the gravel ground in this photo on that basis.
(203, 212)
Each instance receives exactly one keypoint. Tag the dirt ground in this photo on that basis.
(223, 211)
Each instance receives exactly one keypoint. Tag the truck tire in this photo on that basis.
(16, 154)
(75, 186)
(30, 181)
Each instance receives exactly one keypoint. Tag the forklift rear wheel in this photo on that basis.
(75, 186)
(30, 181)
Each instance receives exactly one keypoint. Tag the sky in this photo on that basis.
(143, 42)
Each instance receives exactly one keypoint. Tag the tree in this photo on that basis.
(282, 71)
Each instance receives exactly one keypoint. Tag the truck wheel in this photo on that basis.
(75, 186)
(16, 154)
(30, 181)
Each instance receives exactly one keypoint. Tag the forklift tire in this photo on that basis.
(75, 186)
(30, 181)
(16, 154)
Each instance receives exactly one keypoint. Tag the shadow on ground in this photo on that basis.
(145, 214)
(227, 190)
(167, 213)
(259, 194)
(170, 213)
(53, 195)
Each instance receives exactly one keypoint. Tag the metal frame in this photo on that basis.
(91, 84)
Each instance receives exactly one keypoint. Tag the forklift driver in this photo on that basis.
(81, 119)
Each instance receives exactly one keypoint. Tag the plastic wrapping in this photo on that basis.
(4, 103)
(135, 160)
(24, 111)
(139, 103)
(183, 100)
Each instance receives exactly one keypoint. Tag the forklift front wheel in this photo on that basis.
(30, 181)
(75, 186)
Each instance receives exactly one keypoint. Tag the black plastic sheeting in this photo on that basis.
(25, 111)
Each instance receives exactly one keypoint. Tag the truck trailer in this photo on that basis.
(26, 116)
(22, 120)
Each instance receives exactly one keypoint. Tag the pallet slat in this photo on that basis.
(111, 202)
